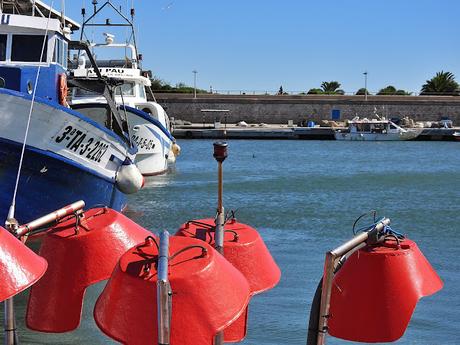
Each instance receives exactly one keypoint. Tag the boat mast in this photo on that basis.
(125, 23)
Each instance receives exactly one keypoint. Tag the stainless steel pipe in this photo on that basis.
(163, 292)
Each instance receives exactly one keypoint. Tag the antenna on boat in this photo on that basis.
(63, 14)
(95, 6)
(83, 11)
(127, 22)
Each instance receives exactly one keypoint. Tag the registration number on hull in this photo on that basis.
(143, 143)
(80, 142)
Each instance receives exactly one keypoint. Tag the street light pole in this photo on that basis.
(194, 82)
(365, 86)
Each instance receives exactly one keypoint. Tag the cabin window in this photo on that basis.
(127, 89)
(141, 91)
(65, 54)
(3, 47)
(59, 52)
(28, 48)
(85, 93)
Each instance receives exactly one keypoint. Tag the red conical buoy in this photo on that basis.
(78, 256)
(245, 249)
(20, 267)
(375, 293)
(208, 294)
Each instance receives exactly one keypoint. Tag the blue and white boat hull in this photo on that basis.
(68, 157)
(153, 140)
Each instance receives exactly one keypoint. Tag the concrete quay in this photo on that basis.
(284, 132)
(280, 109)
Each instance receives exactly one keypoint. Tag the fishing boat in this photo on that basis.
(148, 122)
(380, 129)
(51, 154)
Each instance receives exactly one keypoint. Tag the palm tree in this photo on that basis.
(330, 87)
(443, 83)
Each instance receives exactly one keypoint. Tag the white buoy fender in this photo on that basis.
(129, 179)
(173, 153)
(175, 149)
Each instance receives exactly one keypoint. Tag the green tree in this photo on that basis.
(403, 93)
(330, 87)
(362, 91)
(314, 91)
(443, 83)
(159, 85)
(389, 90)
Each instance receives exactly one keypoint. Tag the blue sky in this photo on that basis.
(260, 45)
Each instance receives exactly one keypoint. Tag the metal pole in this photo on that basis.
(194, 82)
(10, 336)
(49, 218)
(365, 86)
(220, 153)
(219, 236)
(332, 256)
(163, 292)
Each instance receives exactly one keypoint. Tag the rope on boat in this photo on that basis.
(386, 232)
(11, 211)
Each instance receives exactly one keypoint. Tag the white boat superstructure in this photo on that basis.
(375, 130)
(149, 124)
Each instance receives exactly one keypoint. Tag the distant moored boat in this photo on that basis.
(375, 130)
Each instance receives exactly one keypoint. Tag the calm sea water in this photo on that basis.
(303, 197)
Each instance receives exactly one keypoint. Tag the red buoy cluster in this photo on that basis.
(210, 292)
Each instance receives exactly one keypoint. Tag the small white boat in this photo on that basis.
(456, 135)
(149, 125)
(375, 130)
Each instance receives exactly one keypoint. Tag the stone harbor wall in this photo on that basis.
(281, 109)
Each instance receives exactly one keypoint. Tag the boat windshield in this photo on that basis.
(28, 48)
(3, 47)
(85, 93)
(126, 88)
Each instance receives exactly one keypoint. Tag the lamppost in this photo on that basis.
(194, 82)
(365, 85)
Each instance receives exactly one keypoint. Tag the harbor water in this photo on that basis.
(303, 197)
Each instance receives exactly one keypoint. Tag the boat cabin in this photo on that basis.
(29, 40)
(372, 126)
